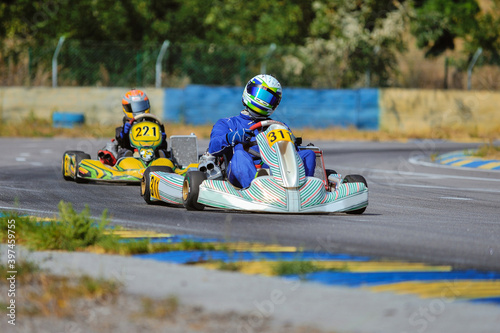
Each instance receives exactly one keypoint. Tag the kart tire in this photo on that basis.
(146, 182)
(355, 179)
(79, 156)
(68, 152)
(330, 172)
(191, 189)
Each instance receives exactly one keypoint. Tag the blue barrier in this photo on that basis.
(299, 108)
(67, 120)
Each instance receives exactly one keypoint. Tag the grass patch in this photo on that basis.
(159, 309)
(50, 295)
(24, 269)
(229, 266)
(74, 231)
(302, 267)
(487, 151)
(295, 267)
(32, 126)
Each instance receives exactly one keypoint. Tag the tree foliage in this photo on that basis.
(350, 40)
(438, 23)
(333, 43)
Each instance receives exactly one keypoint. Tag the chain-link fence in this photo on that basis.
(120, 64)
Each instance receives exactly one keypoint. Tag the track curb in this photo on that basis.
(461, 159)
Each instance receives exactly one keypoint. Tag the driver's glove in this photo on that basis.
(240, 136)
(126, 129)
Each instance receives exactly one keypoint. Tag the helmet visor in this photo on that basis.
(139, 106)
(263, 93)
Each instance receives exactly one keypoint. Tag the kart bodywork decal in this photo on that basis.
(266, 194)
(168, 187)
(93, 169)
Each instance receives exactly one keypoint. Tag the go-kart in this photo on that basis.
(145, 137)
(282, 188)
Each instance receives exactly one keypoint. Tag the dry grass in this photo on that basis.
(488, 150)
(44, 294)
(34, 127)
(43, 128)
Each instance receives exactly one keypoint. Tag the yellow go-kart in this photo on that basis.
(145, 137)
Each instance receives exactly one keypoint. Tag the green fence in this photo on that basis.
(120, 64)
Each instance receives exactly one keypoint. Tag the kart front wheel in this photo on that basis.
(66, 165)
(191, 190)
(356, 179)
(146, 181)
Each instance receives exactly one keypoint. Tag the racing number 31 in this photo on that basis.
(279, 135)
(154, 187)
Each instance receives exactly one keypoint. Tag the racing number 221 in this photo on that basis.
(144, 128)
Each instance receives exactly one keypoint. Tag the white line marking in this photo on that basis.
(396, 173)
(465, 189)
(455, 198)
(21, 189)
(21, 159)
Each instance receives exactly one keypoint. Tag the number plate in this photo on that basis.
(154, 189)
(149, 130)
(278, 135)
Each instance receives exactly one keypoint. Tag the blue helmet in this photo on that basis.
(262, 95)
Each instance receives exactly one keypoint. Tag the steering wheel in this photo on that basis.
(265, 123)
(146, 117)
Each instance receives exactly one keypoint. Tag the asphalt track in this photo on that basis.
(417, 211)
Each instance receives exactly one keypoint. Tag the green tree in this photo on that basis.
(351, 41)
(438, 23)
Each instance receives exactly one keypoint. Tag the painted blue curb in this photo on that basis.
(350, 279)
(183, 257)
(461, 159)
(67, 119)
(493, 300)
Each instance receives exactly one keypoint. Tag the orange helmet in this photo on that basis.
(135, 102)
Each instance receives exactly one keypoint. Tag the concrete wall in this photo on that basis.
(299, 107)
(428, 110)
(101, 105)
(405, 110)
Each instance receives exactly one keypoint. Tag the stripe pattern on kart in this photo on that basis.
(270, 157)
(170, 187)
(267, 190)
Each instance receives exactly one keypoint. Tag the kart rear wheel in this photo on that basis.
(356, 179)
(146, 181)
(191, 189)
(330, 172)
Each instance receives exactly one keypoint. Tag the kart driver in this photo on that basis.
(261, 96)
(134, 103)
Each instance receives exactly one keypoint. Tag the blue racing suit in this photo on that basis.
(241, 169)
